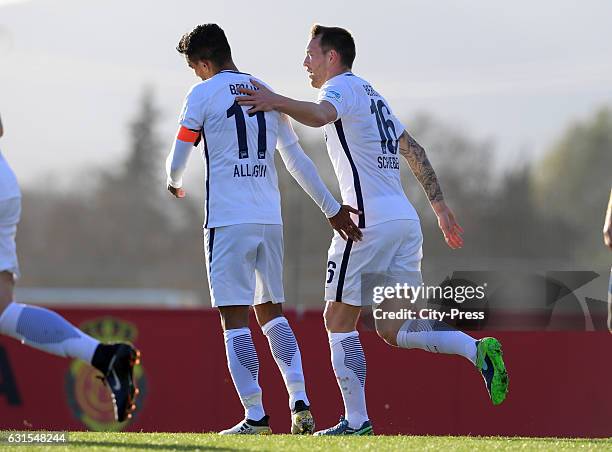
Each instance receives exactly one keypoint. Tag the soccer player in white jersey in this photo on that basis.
(46, 330)
(363, 138)
(242, 222)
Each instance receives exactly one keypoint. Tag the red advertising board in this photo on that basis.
(558, 381)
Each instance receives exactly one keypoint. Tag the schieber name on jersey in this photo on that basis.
(241, 181)
(363, 146)
(388, 162)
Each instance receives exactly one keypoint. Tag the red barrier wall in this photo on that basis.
(558, 381)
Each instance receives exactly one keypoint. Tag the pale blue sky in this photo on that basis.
(71, 71)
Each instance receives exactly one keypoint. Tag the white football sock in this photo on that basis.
(286, 353)
(349, 366)
(243, 365)
(47, 331)
(436, 337)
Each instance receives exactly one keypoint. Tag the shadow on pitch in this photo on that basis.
(128, 445)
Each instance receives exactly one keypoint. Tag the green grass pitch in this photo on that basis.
(213, 442)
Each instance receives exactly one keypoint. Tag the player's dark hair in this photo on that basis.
(206, 42)
(338, 39)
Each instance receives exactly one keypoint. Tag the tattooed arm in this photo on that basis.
(419, 164)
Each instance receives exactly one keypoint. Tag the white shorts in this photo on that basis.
(10, 211)
(393, 248)
(245, 264)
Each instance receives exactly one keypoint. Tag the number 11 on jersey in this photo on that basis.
(243, 148)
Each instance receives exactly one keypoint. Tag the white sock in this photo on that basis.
(436, 337)
(349, 366)
(243, 365)
(47, 331)
(286, 353)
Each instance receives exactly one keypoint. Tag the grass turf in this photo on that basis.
(213, 442)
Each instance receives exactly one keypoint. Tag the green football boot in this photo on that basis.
(490, 363)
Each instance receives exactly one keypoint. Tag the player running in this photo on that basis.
(46, 330)
(242, 223)
(363, 138)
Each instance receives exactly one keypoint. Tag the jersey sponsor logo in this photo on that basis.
(335, 95)
(249, 170)
(89, 400)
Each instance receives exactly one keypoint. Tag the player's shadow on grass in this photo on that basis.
(128, 445)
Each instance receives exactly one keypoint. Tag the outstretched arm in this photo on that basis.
(309, 113)
(420, 166)
(305, 173)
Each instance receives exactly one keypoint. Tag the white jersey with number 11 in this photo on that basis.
(238, 150)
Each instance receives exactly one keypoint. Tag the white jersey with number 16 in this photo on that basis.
(362, 144)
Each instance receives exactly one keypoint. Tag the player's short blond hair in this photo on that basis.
(338, 39)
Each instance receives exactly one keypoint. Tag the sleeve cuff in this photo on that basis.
(173, 184)
(333, 211)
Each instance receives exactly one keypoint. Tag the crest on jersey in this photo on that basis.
(89, 399)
